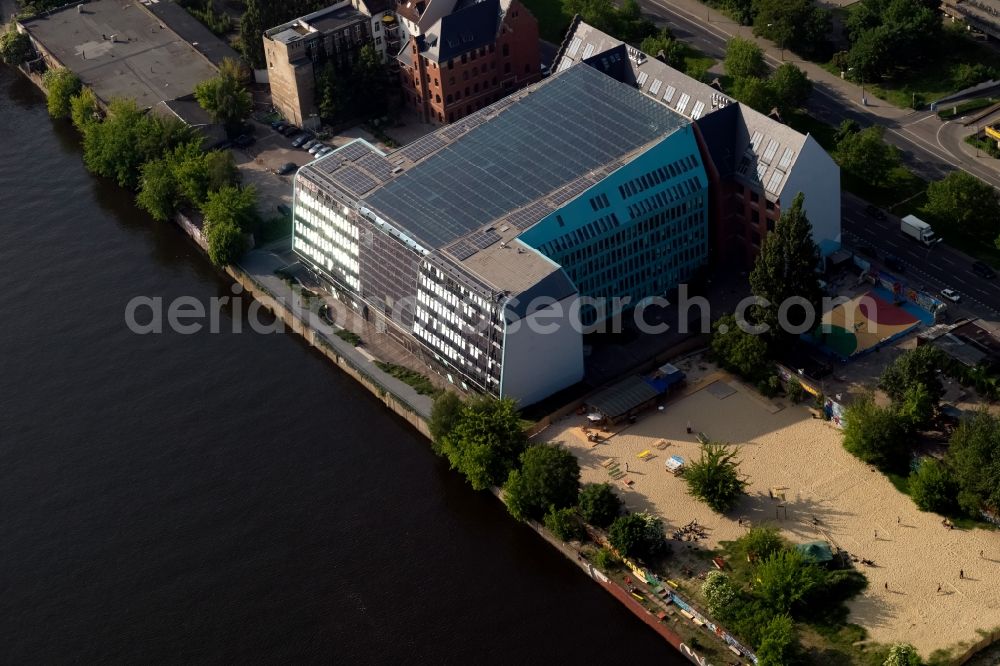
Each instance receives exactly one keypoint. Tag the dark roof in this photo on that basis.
(552, 133)
(335, 20)
(618, 400)
(471, 25)
(717, 129)
(614, 63)
(192, 31)
(556, 285)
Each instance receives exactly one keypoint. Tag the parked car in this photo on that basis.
(316, 147)
(951, 295)
(309, 144)
(983, 270)
(284, 210)
(277, 123)
(290, 130)
(287, 168)
(894, 263)
(280, 126)
(244, 141)
(875, 211)
(325, 150)
(298, 141)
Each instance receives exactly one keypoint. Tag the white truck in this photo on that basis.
(915, 228)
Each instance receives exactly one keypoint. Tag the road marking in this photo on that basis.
(889, 242)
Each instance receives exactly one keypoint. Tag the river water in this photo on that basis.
(228, 497)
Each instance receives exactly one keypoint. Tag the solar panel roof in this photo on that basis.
(569, 124)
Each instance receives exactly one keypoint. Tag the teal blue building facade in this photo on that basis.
(639, 232)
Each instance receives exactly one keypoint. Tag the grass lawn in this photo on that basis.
(965, 107)
(697, 63)
(419, 382)
(934, 78)
(552, 21)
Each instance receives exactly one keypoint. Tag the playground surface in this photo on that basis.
(785, 452)
(864, 323)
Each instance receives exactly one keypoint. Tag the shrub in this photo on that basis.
(795, 391)
(605, 560)
(565, 524)
(720, 593)
(637, 535)
(933, 488)
(715, 478)
(599, 504)
(61, 85)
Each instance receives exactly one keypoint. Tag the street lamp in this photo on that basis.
(864, 100)
(781, 43)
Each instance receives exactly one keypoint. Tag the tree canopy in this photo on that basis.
(230, 212)
(961, 201)
(799, 25)
(599, 504)
(785, 269)
(15, 47)
(877, 435)
(920, 366)
(719, 592)
(755, 92)
(84, 109)
(739, 351)
(891, 35)
(663, 46)
(790, 88)
(61, 85)
(128, 138)
(866, 155)
(778, 642)
(744, 59)
(974, 455)
(637, 535)
(564, 523)
(549, 477)
(902, 654)
(933, 487)
(785, 580)
(715, 478)
(224, 96)
(485, 442)
(445, 413)
(252, 34)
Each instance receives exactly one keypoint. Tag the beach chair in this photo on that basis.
(608, 462)
(617, 474)
(662, 444)
(646, 455)
(628, 482)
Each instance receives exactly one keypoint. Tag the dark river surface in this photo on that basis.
(228, 497)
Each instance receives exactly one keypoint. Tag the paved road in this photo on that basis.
(931, 148)
(932, 268)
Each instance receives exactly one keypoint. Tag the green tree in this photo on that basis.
(445, 413)
(785, 273)
(715, 477)
(916, 408)
(565, 524)
(158, 190)
(737, 350)
(916, 367)
(720, 593)
(549, 477)
(664, 47)
(334, 93)
(226, 243)
(778, 643)
(974, 456)
(15, 47)
(602, 14)
(252, 34)
(962, 202)
(790, 88)
(760, 543)
(234, 204)
(128, 138)
(84, 109)
(369, 75)
(220, 169)
(60, 85)
(599, 504)
(740, 10)
(190, 169)
(225, 97)
(744, 59)
(902, 654)
(933, 488)
(875, 434)
(871, 56)
(605, 560)
(637, 535)
(867, 156)
(785, 580)
(755, 92)
(486, 442)
(793, 24)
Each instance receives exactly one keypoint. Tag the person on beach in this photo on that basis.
(961, 574)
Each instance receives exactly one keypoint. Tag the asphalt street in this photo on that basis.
(932, 268)
(931, 147)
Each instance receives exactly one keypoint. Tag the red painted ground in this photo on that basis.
(883, 312)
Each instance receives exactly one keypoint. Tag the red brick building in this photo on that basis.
(466, 54)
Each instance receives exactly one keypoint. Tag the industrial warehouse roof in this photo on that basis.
(619, 399)
(122, 50)
(550, 135)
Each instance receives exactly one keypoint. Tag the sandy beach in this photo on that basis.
(785, 451)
